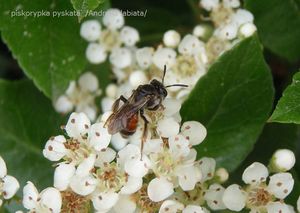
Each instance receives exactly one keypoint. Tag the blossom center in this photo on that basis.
(73, 203)
(144, 202)
(185, 66)
(259, 197)
(110, 39)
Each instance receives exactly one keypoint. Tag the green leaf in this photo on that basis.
(278, 24)
(49, 49)
(27, 120)
(233, 101)
(85, 6)
(288, 107)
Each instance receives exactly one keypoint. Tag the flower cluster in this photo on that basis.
(8, 184)
(81, 96)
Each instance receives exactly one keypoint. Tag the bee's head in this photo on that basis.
(160, 88)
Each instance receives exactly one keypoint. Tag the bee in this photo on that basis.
(124, 119)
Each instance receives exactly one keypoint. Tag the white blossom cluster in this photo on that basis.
(80, 96)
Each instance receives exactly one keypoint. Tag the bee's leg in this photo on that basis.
(115, 106)
(145, 131)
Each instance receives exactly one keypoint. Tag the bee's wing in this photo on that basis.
(118, 120)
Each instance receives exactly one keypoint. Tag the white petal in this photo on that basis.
(99, 137)
(153, 146)
(193, 209)
(30, 196)
(234, 198)
(207, 167)
(231, 3)
(194, 131)
(187, 177)
(179, 146)
(51, 198)
(167, 127)
(172, 106)
(137, 78)
(125, 204)
(10, 186)
(86, 166)
(105, 200)
(107, 103)
(213, 197)
(55, 149)
(255, 173)
(283, 160)
(170, 206)
(137, 167)
(62, 176)
(209, 4)
(111, 90)
(129, 36)
(63, 104)
(118, 142)
(88, 81)
(3, 169)
(128, 152)
(159, 189)
(78, 125)
(90, 30)
(275, 207)
(95, 53)
(83, 185)
(171, 38)
(144, 56)
(228, 32)
(164, 57)
(120, 57)
(281, 184)
(133, 185)
(242, 16)
(113, 19)
(105, 156)
(222, 175)
(190, 45)
(89, 110)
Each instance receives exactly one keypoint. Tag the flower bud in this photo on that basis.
(90, 30)
(247, 30)
(129, 36)
(203, 31)
(137, 78)
(113, 19)
(120, 57)
(282, 160)
(222, 175)
(171, 38)
(111, 90)
(95, 53)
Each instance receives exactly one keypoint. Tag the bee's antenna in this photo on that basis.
(163, 78)
(177, 85)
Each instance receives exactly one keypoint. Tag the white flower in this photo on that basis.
(129, 36)
(190, 45)
(95, 53)
(242, 16)
(137, 78)
(247, 29)
(283, 160)
(213, 197)
(234, 198)
(113, 19)
(90, 30)
(49, 200)
(55, 149)
(78, 125)
(144, 56)
(194, 131)
(3, 169)
(62, 176)
(164, 57)
(159, 189)
(169, 206)
(120, 57)
(83, 185)
(171, 38)
(209, 4)
(231, 3)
